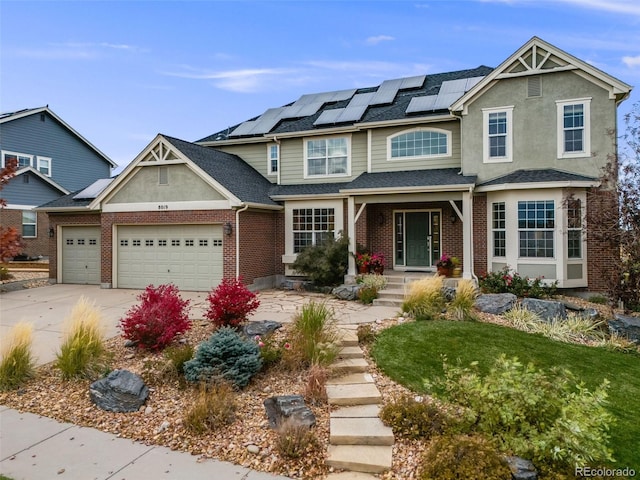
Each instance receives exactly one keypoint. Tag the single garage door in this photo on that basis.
(81, 255)
(189, 256)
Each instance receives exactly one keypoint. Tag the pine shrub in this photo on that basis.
(160, 316)
(231, 303)
(17, 363)
(457, 457)
(224, 356)
(83, 353)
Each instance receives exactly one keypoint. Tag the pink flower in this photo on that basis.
(261, 344)
(287, 346)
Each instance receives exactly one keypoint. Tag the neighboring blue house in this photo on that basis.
(53, 160)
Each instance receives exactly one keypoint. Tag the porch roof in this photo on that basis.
(540, 177)
(412, 180)
(305, 189)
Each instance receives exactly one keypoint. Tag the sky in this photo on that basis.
(120, 72)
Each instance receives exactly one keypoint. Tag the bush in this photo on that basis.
(315, 391)
(548, 418)
(452, 458)
(5, 274)
(161, 315)
(504, 281)
(313, 337)
(82, 353)
(366, 334)
(270, 350)
(463, 301)
(294, 440)
(414, 419)
(373, 280)
(214, 407)
(367, 294)
(326, 263)
(224, 356)
(231, 303)
(17, 363)
(424, 300)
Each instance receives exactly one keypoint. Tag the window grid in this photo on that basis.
(498, 134)
(311, 226)
(162, 243)
(327, 157)
(536, 223)
(81, 241)
(189, 243)
(93, 241)
(419, 144)
(573, 125)
(148, 243)
(274, 155)
(124, 243)
(499, 230)
(135, 243)
(574, 232)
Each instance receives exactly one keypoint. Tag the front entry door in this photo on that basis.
(417, 239)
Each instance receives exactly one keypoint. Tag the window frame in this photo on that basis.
(586, 127)
(499, 226)
(317, 234)
(270, 159)
(546, 229)
(575, 205)
(17, 155)
(391, 138)
(347, 173)
(34, 224)
(486, 144)
(40, 159)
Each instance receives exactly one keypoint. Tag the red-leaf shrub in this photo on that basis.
(160, 316)
(231, 303)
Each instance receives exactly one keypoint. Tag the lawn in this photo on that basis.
(411, 352)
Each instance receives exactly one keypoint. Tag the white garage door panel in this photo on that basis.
(189, 256)
(81, 255)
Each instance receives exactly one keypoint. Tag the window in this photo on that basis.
(135, 243)
(163, 176)
(203, 242)
(22, 160)
(162, 243)
(536, 222)
(420, 143)
(93, 241)
(217, 243)
(499, 225)
(327, 157)
(124, 243)
(574, 228)
(81, 241)
(175, 242)
(311, 226)
(273, 157)
(29, 223)
(497, 134)
(148, 243)
(44, 166)
(574, 137)
(188, 243)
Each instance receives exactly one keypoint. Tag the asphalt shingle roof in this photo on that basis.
(307, 189)
(537, 176)
(374, 113)
(413, 178)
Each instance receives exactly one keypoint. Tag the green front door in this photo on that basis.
(417, 238)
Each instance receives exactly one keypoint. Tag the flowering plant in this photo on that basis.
(445, 261)
(377, 260)
(363, 259)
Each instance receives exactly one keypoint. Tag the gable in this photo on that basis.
(31, 188)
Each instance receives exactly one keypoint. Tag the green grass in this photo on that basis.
(412, 352)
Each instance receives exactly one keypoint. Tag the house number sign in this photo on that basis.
(163, 207)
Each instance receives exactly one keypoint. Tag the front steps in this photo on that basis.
(359, 442)
(398, 282)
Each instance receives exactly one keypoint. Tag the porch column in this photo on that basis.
(467, 234)
(351, 231)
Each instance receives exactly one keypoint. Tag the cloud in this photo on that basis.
(631, 62)
(627, 7)
(73, 50)
(377, 39)
(243, 80)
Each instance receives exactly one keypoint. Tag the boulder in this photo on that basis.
(495, 303)
(522, 469)
(449, 293)
(346, 292)
(120, 391)
(264, 328)
(288, 407)
(546, 309)
(626, 326)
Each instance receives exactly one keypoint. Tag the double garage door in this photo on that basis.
(189, 256)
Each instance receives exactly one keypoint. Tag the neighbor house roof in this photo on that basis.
(11, 116)
(398, 99)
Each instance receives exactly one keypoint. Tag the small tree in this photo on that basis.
(325, 263)
(10, 239)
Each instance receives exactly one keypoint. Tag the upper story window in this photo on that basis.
(574, 126)
(327, 157)
(273, 158)
(22, 159)
(497, 134)
(420, 143)
(163, 176)
(44, 165)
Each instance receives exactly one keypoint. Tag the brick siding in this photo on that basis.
(33, 247)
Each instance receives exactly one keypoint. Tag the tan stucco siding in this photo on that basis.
(184, 185)
(381, 158)
(535, 126)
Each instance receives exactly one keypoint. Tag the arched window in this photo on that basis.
(420, 143)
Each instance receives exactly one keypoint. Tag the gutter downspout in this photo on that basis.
(243, 209)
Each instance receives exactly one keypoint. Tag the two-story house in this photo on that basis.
(53, 160)
(490, 165)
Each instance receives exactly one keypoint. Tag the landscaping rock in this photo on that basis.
(522, 469)
(346, 292)
(626, 326)
(285, 407)
(449, 293)
(120, 391)
(264, 328)
(546, 309)
(495, 303)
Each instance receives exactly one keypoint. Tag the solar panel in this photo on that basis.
(93, 190)
(450, 91)
(386, 92)
(329, 116)
(244, 128)
(421, 104)
(445, 99)
(412, 82)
